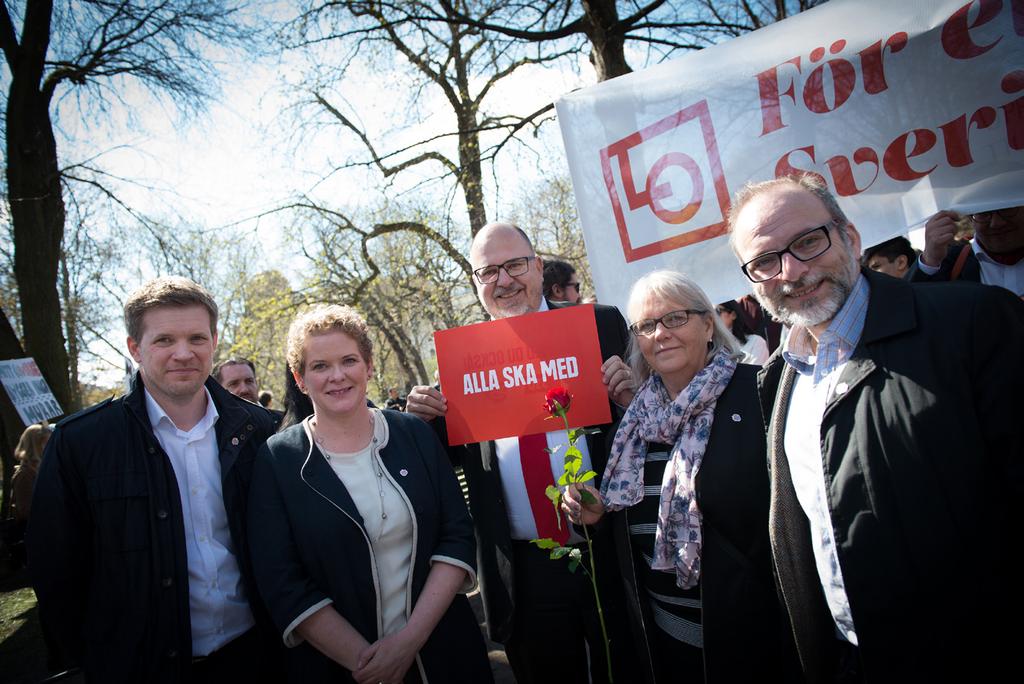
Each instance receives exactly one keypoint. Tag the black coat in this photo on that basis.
(487, 499)
(923, 453)
(743, 630)
(106, 543)
(309, 546)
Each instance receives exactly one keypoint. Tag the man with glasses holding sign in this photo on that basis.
(895, 450)
(544, 614)
(994, 257)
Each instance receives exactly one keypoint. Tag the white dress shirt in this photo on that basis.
(1007, 276)
(217, 602)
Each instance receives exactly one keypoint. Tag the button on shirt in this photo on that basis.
(817, 378)
(217, 603)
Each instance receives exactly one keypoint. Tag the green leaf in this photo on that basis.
(555, 450)
(546, 543)
(559, 552)
(573, 466)
(554, 494)
(586, 497)
(573, 564)
(573, 451)
(564, 479)
(585, 477)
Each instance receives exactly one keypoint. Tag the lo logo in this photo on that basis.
(653, 208)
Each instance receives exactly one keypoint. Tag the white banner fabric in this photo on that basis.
(905, 107)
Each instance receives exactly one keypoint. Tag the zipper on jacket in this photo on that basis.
(366, 538)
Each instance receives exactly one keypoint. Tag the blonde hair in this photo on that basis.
(321, 320)
(166, 291)
(674, 287)
(30, 447)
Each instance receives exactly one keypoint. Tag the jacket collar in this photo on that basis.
(891, 309)
(233, 428)
(317, 473)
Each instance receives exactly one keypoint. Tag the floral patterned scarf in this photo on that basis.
(685, 424)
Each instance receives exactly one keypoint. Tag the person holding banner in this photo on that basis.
(895, 450)
(361, 541)
(994, 257)
(687, 482)
(543, 614)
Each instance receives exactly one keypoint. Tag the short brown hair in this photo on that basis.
(811, 182)
(166, 291)
(321, 320)
(233, 361)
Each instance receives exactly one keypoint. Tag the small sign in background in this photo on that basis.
(28, 391)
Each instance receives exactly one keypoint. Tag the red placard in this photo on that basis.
(495, 374)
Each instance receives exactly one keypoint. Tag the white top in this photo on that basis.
(388, 523)
(755, 350)
(217, 602)
(803, 451)
(1010, 277)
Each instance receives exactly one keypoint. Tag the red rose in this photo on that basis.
(557, 400)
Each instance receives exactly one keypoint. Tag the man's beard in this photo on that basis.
(837, 289)
(507, 309)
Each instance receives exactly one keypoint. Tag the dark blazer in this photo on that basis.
(971, 271)
(740, 612)
(487, 499)
(923, 452)
(309, 547)
(106, 546)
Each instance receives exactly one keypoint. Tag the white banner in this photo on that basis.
(905, 107)
(28, 391)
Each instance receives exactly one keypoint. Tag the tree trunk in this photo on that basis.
(607, 38)
(37, 206)
(71, 331)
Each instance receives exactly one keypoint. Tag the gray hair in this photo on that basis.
(811, 182)
(674, 287)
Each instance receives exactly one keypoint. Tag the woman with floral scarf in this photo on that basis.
(687, 488)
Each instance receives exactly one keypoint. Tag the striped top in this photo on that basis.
(676, 611)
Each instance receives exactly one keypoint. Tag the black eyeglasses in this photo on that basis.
(983, 218)
(512, 267)
(806, 246)
(673, 319)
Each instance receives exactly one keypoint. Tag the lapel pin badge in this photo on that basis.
(736, 418)
(234, 440)
(403, 472)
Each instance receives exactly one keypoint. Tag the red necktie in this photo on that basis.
(536, 466)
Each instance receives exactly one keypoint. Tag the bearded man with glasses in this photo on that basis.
(543, 613)
(994, 257)
(895, 450)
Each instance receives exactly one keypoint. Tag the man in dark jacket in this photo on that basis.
(994, 257)
(137, 553)
(544, 614)
(895, 450)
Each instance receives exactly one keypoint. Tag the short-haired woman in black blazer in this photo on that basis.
(361, 541)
